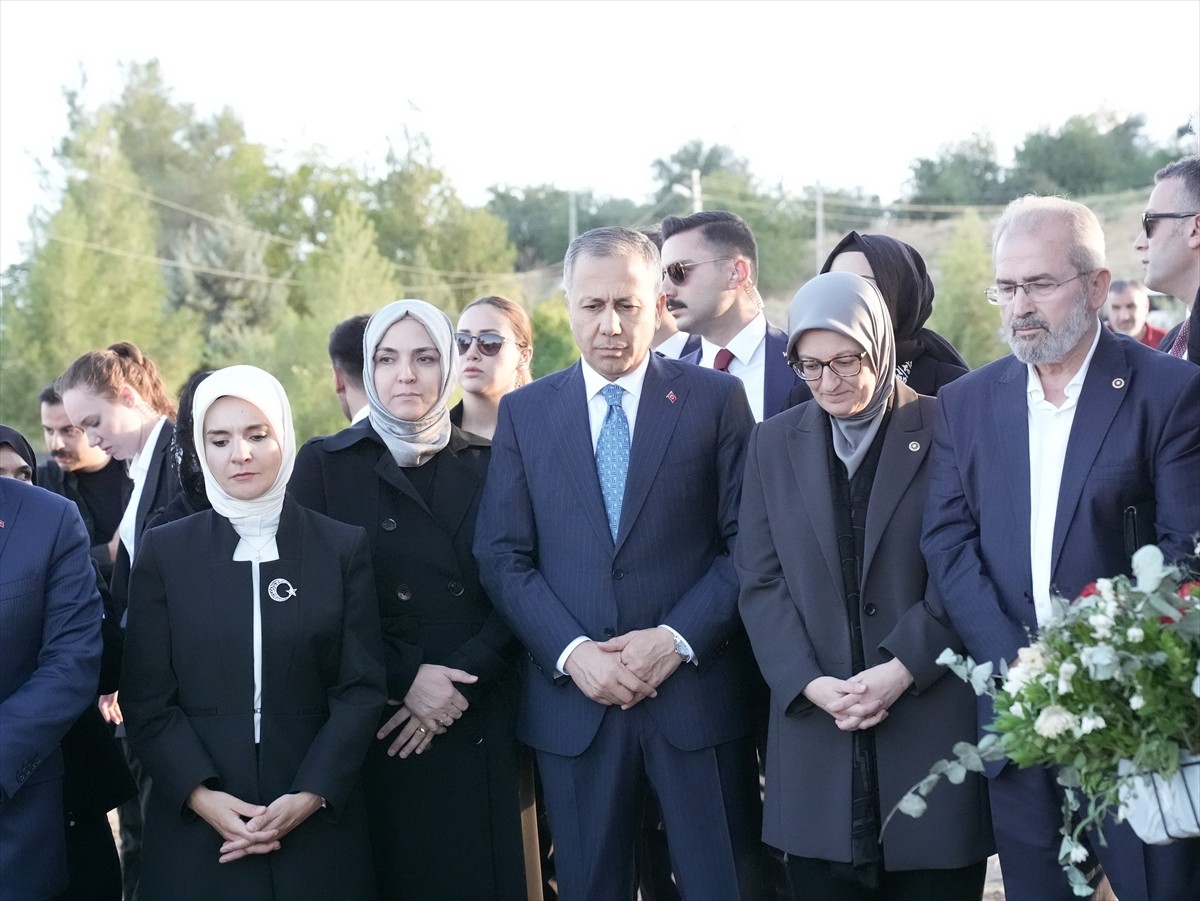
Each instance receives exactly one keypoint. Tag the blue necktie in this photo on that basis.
(612, 455)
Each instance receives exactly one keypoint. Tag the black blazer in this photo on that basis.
(187, 692)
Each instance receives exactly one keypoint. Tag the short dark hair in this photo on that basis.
(721, 229)
(1186, 170)
(50, 396)
(654, 233)
(346, 347)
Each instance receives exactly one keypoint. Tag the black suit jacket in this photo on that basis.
(782, 388)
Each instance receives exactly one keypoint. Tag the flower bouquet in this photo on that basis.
(1109, 693)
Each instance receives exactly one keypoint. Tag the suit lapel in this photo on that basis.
(809, 455)
(10, 507)
(572, 453)
(281, 619)
(227, 588)
(778, 378)
(454, 488)
(659, 408)
(1010, 435)
(389, 472)
(153, 474)
(1104, 390)
(905, 444)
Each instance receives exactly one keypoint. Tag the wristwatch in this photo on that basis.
(681, 649)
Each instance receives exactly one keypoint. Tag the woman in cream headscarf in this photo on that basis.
(253, 673)
(838, 606)
(442, 779)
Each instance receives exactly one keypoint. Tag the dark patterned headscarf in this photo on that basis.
(24, 450)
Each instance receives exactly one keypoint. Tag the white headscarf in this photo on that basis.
(412, 443)
(257, 518)
(851, 306)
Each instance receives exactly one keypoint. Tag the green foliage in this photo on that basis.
(92, 280)
(960, 313)
(554, 346)
(964, 173)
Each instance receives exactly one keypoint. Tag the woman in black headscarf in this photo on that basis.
(924, 359)
(845, 624)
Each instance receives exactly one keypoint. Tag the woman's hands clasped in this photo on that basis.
(251, 828)
(431, 706)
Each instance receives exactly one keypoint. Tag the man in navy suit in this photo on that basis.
(1035, 459)
(50, 615)
(604, 537)
(710, 260)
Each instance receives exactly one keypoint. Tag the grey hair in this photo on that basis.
(1030, 213)
(613, 241)
(1187, 170)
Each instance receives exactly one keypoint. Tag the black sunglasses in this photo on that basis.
(1148, 220)
(489, 344)
(677, 272)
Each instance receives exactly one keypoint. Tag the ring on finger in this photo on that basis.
(422, 729)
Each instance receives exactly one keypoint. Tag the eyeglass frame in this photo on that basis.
(464, 349)
(1050, 288)
(1147, 218)
(686, 268)
(797, 366)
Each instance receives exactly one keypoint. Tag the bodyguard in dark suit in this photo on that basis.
(1036, 457)
(1169, 244)
(50, 622)
(710, 261)
(605, 531)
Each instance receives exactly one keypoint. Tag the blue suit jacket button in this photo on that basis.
(870, 609)
(610, 632)
(618, 574)
(456, 588)
(404, 593)
(388, 525)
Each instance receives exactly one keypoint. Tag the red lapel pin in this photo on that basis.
(671, 396)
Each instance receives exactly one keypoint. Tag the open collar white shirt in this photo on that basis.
(139, 469)
(1049, 433)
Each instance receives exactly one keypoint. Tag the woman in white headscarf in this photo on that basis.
(442, 779)
(253, 673)
(845, 623)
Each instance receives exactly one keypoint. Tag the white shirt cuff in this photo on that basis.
(690, 655)
(561, 666)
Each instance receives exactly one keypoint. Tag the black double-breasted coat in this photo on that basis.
(187, 692)
(446, 823)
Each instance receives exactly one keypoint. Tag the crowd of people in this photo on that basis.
(662, 623)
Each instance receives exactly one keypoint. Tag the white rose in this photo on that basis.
(1148, 568)
(1065, 673)
(1104, 586)
(1055, 721)
(1101, 625)
(1101, 662)
(1134, 634)
(1090, 723)
(1137, 702)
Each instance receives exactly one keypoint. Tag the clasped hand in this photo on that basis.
(862, 701)
(251, 828)
(626, 669)
(431, 706)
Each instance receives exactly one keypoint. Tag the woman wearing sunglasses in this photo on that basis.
(844, 623)
(495, 347)
(442, 776)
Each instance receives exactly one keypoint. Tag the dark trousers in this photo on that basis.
(1027, 817)
(130, 816)
(815, 880)
(709, 803)
(92, 862)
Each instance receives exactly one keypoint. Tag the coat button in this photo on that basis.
(388, 525)
(475, 737)
(618, 574)
(869, 610)
(403, 592)
(610, 632)
(456, 588)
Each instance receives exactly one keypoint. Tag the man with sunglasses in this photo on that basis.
(710, 271)
(1169, 243)
(1035, 459)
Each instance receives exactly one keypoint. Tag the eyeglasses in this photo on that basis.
(1148, 220)
(489, 344)
(677, 272)
(1035, 291)
(845, 365)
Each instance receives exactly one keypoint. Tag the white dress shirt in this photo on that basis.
(361, 414)
(139, 468)
(1049, 432)
(672, 347)
(749, 349)
(593, 384)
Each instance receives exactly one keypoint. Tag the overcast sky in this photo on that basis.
(585, 95)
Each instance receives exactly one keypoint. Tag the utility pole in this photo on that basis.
(572, 218)
(819, 239)
(697, 201)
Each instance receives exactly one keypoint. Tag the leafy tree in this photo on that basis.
(677, 170)
(554, 346)
(222, 276)
(962, 174)
(960, 313)
(93, 279)
(346, 277)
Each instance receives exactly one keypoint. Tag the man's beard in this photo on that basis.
(1050, 347)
